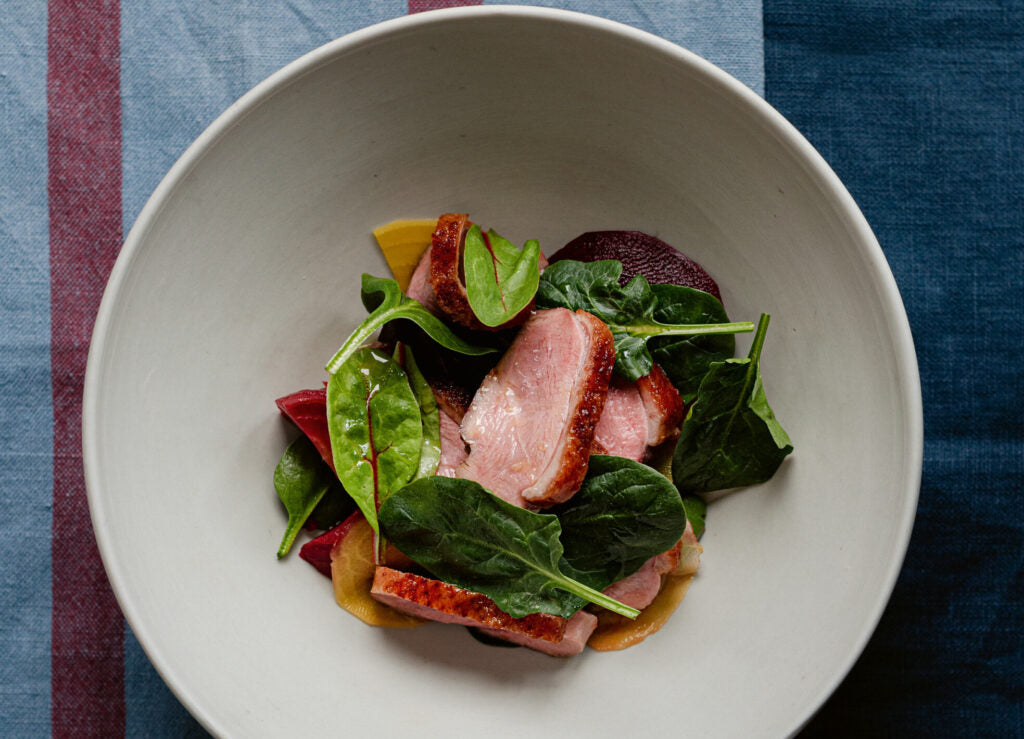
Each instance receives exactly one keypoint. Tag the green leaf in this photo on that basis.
(301, 479)
(501, 279)
(384, 298)
(375, 427)
(624, 514)
(333, 508)
(730, 436)
(468, 537)
(696, 512)
(631, 311)
(686, 359)
(430, 417)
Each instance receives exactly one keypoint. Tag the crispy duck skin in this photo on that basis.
(664, 406)
(439, 601)
(447, 276)
(446, 270)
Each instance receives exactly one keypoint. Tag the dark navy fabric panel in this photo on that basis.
(919, 107)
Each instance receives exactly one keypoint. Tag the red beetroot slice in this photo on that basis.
(640, 254)
(318, 551)
(307, 409)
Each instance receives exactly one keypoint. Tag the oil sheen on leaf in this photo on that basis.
(375, 427)
(430, 417)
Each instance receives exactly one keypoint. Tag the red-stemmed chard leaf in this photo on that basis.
(376, 430)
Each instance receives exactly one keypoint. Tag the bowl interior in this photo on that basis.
(241, 279)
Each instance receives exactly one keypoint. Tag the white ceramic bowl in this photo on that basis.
(240, 279)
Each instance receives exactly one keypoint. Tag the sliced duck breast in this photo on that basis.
(622, 429)
(664, 406)
(640, 589)
(420, 288)
(531, 423)
(435, 600)
(453, 448)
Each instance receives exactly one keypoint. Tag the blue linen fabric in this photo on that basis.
(26, 408)
(917, 105)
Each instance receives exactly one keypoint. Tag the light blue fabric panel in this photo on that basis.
(26, 423)
(728, 33)
(183, 64)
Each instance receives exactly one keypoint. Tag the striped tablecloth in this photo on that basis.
(917, 104)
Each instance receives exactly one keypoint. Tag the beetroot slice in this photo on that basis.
(318, 551)
(307, 409)
(640, 254)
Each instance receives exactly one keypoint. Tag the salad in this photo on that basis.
(522, 445)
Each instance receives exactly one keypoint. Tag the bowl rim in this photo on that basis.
(785, 133)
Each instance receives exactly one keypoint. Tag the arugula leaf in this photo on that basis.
(466, 536)
(376, 431)
(430, 417)
(696, 512)
(301, 479)
(624, 514)
(628, 310)
(385, 301)
(686, 359)
(730, 436)
(501, 279)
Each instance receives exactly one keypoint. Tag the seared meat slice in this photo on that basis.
(640, 588)
(664, 407)
(453, 448)
(532, 420)
(577, 631)
(439, 601)
(638, 415)
(419, 285)
(448, 277)
(622, 430)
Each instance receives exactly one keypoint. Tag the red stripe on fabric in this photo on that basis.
(84, 139)
(418, 6)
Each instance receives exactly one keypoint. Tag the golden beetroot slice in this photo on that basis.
(352, 571)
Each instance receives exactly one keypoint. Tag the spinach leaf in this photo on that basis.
(624, 514)
(385, 301)
(501, 279)
(686, 359)
(628, 310)
(430, 417)
(333, 508)
(466, 536)
(301, 479)
(696, 511)
(375, 427)
(730, 436)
